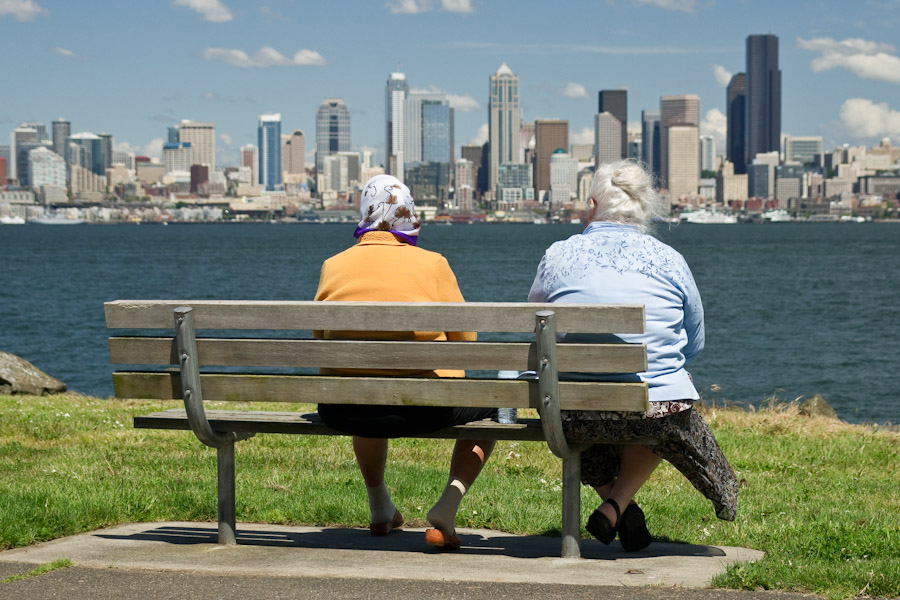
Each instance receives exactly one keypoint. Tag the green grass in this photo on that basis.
(818, 496)
(40, 570)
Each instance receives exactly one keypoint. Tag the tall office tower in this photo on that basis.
(173, 135)
(549, 136)
(332, 129)
(735, 135)
(504, 137)
(177, 156)
(464, 184)
(763, 112)
(41, 129)
(395, 93)
(249, 158)
(437, 131)
(269, 141)
(615, 102)
(61, 130)
(563, 178)
(3, 172)
(650, 136)
(761, 171)
(526, 140)
(607, 142)
(635, 144)
(683, 162)
(202, 137)
(475, 153)
(803, 149)
(86, 151)
(676, 111)
(293, 153)
(45, 167)
(19, 135)
(106, 147)
(124, 158)
(708, 154)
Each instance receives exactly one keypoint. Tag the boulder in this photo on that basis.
(18, 376)
(817, 407)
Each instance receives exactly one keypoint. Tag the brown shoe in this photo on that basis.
(438, 539)
(381, 529)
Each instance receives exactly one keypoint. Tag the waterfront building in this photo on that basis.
(549, 136)
(293, 153)
(803, 149)
(202, 137)
(515, 185)
(837, 186)
(761, 182)
(615, 102)
(85, 183)
(269, 143)
(61, 130)
(650, 136)
(607, 142)
(332, 130)
(683, 161)
(250, 159)
(23, 162)
(476, 154)
(429, 182)
(45, 167)
(729, 185)
(177, 156)
(763, 103)
(464, 185)
(708, 154)
(86, 150)
(504, 135)
(563, 178)
(149, 172)
(677, 111)
(396, 91)
(788, 184)
(19, 135)
(118, 174)
(736, 116)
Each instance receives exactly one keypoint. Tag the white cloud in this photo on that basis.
(680, 5)
(585, 136)
(64, 52)
(226, 139)
(866, 119)
(574, 90)
(265, 57)
(869, 60)
(715, 124)
(460, 102)
(153, 148)
(211, 10)
(481, 137)
(723, 75)
(414, 7)
(22, 10)
(459, 6)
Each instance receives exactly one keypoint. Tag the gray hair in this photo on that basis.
(624, 193)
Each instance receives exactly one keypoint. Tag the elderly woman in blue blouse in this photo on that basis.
(615, 260)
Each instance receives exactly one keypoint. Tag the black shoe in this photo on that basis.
(632, 528)
(600, 527)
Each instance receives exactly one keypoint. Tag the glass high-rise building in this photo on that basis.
(269, 143)
(332, 129)
(763, 109)
(61, 130)
(503, 121)
(86, 150)
(395, 93)
(615, 102)
(736, 114)
(437, 131)
(650, 140)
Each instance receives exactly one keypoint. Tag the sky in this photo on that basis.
(133, 69)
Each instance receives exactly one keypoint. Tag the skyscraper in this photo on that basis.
(650, 138)
(735, 135)
(269, 142)
(106, 147)
(86, 150)
(18, 136)
(607, 139)
(683, 162)
(549, 136)
(395, 95)
(61, 130)
(677, 111)
(249, 158)
(202, 137)
(428, 128)
(503, 122)
(332, 129)
(763, 112)
(293, 153)
(615, 102)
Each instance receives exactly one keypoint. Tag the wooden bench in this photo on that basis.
(278, 364)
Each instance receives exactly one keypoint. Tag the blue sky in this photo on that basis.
(133, 68)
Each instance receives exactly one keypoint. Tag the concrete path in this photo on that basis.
(351, 559)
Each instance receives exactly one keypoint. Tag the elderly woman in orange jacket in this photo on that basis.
(387, 265)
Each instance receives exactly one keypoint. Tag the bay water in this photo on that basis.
(792, 309)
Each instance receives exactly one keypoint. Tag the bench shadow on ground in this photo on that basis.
(499, 544)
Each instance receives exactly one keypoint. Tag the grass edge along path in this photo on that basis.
(818, 496)
(39, 570)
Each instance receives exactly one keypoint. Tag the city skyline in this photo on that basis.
(227, 62)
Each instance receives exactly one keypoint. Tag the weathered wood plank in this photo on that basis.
(390, 391)
(375, 316)
(583, 358)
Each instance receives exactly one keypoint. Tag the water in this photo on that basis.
(791, 309)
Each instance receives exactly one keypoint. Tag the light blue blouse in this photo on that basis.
(617, 264)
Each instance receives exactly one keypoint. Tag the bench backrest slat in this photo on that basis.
(587, 358)
(380, 390)
(368, 316)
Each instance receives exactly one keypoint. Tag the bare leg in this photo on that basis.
(468, 458)
(638, 463)
(371, 456)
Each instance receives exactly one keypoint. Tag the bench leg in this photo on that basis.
(571, 511)
(225, 473)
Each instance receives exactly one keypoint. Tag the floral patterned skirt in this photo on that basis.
(685, 440)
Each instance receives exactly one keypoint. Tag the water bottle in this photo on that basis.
(507, 415)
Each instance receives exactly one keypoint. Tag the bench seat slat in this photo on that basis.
(382, 390)
(586, 358)
(368, 316)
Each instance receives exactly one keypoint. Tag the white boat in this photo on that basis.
(55, 219)
(707, 217)
(777, 216)
(12, 221)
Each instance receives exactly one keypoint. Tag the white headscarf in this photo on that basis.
(386, 204)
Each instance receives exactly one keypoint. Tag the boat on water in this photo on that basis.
(777, 216)
(707, 217)
(12, 221)
(56, 219)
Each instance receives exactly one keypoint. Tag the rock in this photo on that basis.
(817, 407)
(18, 376)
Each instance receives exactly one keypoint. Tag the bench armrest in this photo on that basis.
(548, 387)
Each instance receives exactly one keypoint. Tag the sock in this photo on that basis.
(443, 514)
(380, 506)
